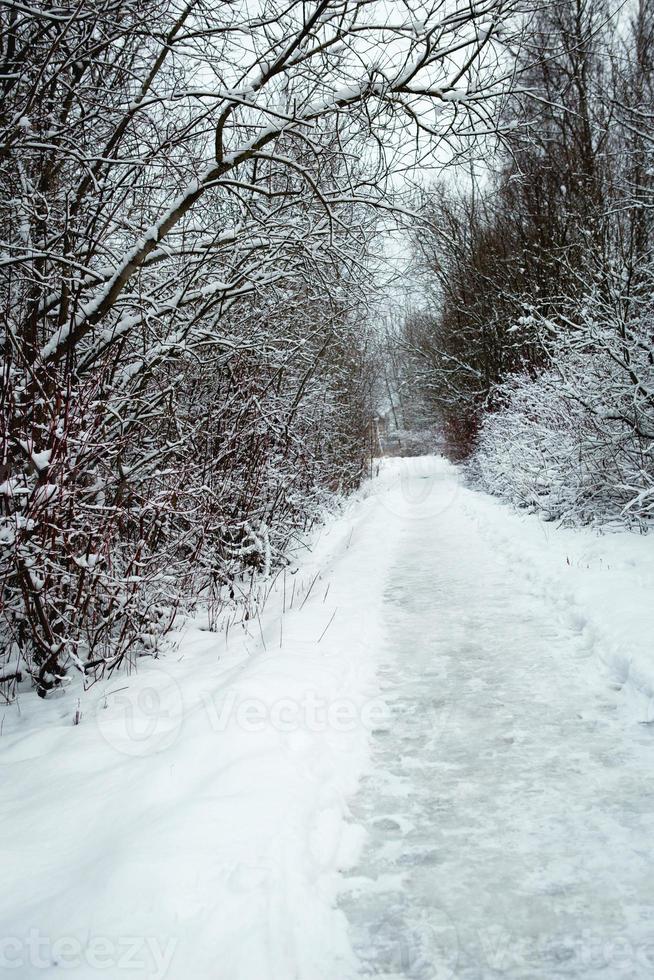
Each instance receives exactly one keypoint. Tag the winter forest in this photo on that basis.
(265, 266)
(194, 199)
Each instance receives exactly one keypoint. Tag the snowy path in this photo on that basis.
(511, 806)
(248, 809)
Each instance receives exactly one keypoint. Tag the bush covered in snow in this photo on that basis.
(564, 445)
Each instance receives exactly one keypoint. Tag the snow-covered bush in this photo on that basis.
(577, 443)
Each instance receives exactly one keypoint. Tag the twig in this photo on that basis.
(328, 624)
(261, 629)
(309, 592)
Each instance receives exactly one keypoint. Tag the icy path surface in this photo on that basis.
(510, 808)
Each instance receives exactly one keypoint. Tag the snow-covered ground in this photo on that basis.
(431, 757)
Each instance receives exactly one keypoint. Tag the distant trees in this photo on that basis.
(538, 344)
(188, 199)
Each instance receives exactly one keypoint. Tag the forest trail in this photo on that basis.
(428, 755)
(510, 805)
